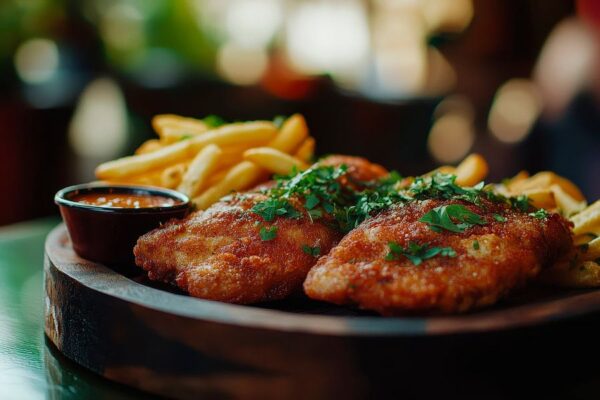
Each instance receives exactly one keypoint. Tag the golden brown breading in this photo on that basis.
(507, 254)
(218, 253)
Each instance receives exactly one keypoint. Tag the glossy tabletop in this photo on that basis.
(30, 367)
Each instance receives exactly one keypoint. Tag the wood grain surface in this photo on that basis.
(164, 342)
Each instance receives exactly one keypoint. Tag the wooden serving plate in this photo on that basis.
(153, 338)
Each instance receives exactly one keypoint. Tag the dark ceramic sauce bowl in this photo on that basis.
(107, 234)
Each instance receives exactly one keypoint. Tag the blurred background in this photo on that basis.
(411, 84)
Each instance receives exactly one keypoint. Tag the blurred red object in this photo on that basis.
(589, 10)
(283, 82)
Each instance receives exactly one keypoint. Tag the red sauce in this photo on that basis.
(124, 200)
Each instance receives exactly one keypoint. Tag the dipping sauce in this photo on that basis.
(124, 200)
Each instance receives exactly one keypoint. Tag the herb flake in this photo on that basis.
(267, 234)
(311, 251)
(452, 217)
(499, 218)
(417, 253)
(539, 214)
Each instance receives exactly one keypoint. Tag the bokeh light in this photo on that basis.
(99, 126)
(37, 60)
(453, 133)
(515, 108)
(253, 23)
(241, 65)
(327, 36)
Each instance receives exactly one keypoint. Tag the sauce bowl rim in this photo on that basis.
(61, 198)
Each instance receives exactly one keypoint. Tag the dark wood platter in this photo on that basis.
(153, 338)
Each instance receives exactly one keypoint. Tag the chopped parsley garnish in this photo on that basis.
(322, 194)
(451, 217)
(521, 203)
(539, 214)
(185, 137)
(267, 234)
(443, 186)
(378, 197)
(320, 191)
(273, 207)
(213, 121)
(499, 218)
(476, 245)
(279, 120)
(311, 251)
(417, 253)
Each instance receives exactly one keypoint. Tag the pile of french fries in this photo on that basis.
(208, 163)
(553, 193)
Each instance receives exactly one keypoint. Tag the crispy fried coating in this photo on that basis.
(491, 260)
(218, 253)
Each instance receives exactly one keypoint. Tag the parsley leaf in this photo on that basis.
(521, 203)
(267, 234)
(273, 207)
(539, 214)
(279, 120)
(311, 251)
(213, 121)
(499, 218)
(417, 253)
(476, 245)
(443, 186)
(451, 217)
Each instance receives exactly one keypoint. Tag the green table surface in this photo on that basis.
(30, 367)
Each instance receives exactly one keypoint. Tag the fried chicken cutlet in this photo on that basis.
(395, 263)
(232, 254)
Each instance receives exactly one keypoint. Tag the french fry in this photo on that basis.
(148, 146)
(171, 176)
(565, 203)
(291, 135)
(231, 155)
(173, 134)
(177, 124)
(587, 220)
(216, 177)
(584, 275)
(241, 176)
(519, 177)
(258, 132)
(541, 198)
(154, 179)
(586, 237)
(591, 250)
(201, 167)
(442, 169)
(545, 179)
(471, 170)
(273, 160)
(306, 150)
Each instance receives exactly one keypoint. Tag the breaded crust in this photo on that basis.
(507, 254)
(218, 254)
